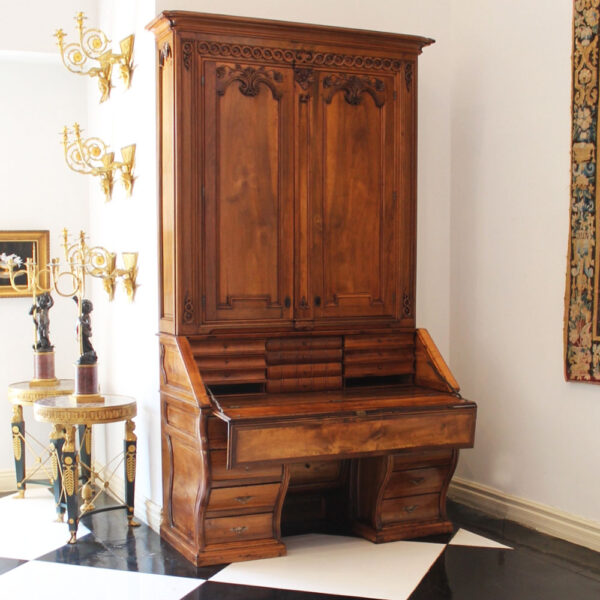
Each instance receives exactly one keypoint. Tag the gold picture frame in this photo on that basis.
(24, 244)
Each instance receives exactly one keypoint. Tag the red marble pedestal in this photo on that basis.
(86, 383)
(43, 368)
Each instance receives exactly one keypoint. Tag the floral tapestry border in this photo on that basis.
(582, 333)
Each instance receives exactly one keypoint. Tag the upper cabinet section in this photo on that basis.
(287, 175)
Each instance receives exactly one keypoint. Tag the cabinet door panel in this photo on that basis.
(354, 253)
(248, 192)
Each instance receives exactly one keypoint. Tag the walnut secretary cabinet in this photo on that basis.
(296, 392)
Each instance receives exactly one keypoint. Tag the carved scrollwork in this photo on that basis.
(406, 306)
(305, 79)
(188, 309)
(354, 87)
(408, 75)
(249, 79)
(188, 49)
(164, 54)
(297, 57)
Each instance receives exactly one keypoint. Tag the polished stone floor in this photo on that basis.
(484, 559)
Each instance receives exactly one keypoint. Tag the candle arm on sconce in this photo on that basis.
(91, 157)
(92, 56)
(98, 262)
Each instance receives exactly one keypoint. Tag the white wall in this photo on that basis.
(537, 436)
(125, 333)
(37, 191)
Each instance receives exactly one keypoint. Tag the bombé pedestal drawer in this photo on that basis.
(410, 508)
(415, 481)
(238, 528)
(244, 498)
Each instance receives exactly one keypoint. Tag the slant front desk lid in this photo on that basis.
(295, 427)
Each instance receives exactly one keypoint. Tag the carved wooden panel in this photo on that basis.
(248, 192)
(354, 263)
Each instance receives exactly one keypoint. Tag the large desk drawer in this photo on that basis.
(309, 437)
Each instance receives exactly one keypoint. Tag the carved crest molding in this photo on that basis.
(288, 56)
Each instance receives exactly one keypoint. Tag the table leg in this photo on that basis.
(85, 453)
(18, 437)
(130, 449)
(70, 481)
(57, 440)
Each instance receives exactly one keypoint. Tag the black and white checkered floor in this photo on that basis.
(507, 562)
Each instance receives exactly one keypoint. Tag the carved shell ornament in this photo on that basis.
(354, 88)
(249, 79)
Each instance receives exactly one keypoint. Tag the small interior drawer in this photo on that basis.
(233, 376)
(306, 473)
(222, 347)
(220, 472)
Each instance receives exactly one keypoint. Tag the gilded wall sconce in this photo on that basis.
(91, 157)
(92, 56)
(96, 261)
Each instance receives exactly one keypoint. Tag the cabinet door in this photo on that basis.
(354, 247)
(248, 192)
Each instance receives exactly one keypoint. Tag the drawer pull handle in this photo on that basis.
(417, 480)
(243, 499)
(411, 508)
(238, 530)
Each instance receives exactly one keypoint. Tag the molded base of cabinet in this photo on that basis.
(217, 554)
(401, 531)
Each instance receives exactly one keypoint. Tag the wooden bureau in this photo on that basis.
(297, 393)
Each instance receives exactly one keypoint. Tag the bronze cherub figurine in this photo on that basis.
(84, 331)
(43, 303)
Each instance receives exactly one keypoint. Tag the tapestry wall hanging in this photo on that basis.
(582, 327)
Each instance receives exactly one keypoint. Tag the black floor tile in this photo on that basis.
(87, 552)
(7, 564)
(465, 573)
(112, 544)
(512, 534)
(212, 590)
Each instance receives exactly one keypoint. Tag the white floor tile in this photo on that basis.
(28, 528)
(39, 579)
(468, 538)
(340, 565)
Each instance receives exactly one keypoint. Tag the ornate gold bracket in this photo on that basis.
(91, 157)
(92, 56)
(96, 262)
(81, 260)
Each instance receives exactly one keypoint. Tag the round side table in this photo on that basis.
(66, 413)
(25, 393)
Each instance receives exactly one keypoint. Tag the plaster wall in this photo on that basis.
(37, 191)
(537, 436)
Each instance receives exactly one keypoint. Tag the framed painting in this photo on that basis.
(21, 245)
